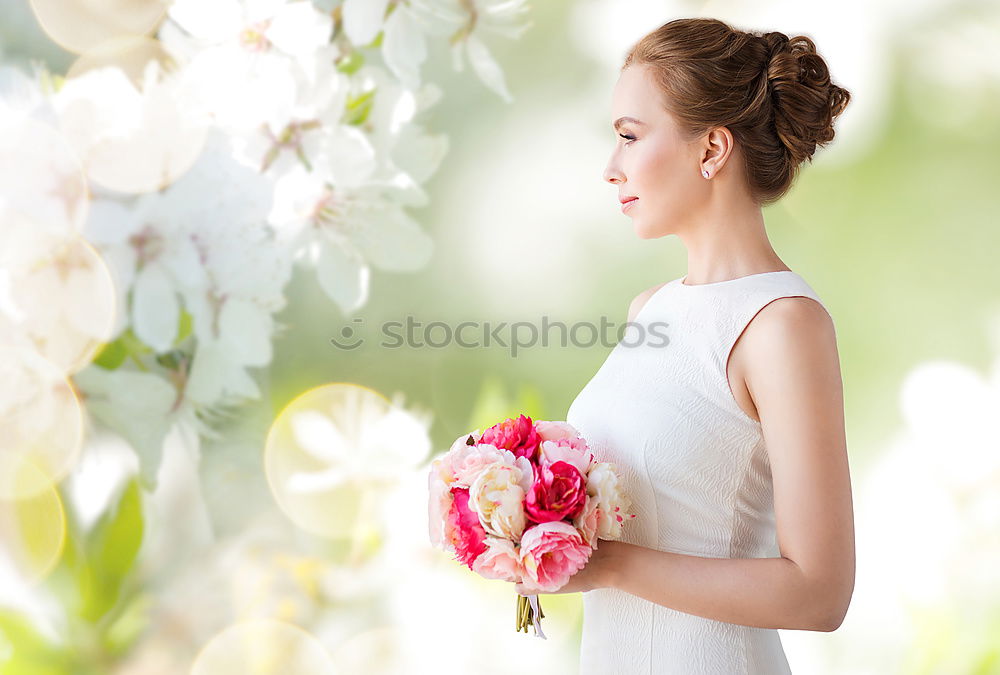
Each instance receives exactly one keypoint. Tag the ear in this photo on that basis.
(717, 147)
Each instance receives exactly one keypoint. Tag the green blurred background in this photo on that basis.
(894, 225)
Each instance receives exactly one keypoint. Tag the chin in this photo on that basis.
(650, 232)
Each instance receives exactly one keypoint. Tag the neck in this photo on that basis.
(728, 241)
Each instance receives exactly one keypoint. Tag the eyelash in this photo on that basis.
(627, 137)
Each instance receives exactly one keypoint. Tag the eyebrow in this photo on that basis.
(622, 120)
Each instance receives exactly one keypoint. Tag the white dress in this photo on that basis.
(695, 467)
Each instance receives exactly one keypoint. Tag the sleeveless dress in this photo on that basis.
(695, 467)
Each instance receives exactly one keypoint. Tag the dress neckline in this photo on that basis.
(680, 282)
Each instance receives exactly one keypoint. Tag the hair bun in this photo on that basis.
(805, 101)
(775, 43)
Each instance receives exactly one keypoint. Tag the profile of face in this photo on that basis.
(651, 160)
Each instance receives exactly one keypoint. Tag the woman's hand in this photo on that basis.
(597, 573)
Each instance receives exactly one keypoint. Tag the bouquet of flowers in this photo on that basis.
(524, 502)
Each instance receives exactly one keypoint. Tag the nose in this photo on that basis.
(612, 174)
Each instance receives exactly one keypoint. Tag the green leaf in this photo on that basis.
(112, 547)
(359, 107)
(23, 651)
(351, 63)
(114, 353)
(184, 326)
(127, 628)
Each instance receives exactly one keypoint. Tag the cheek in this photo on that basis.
(658, 169)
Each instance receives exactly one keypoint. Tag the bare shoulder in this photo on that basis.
(791, 317)
(640, 300)
(789, 330)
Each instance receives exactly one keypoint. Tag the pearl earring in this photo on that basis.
(704, 173)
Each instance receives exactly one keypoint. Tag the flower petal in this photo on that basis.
(486, 68)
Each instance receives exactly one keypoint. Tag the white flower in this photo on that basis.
(404, 47)
(202, 243)
(132, 139)
(342, 223)
(298, 134)
(251, 56)
(497, 496)
(464, 21)
(363, 20)
(141, 407)
(602, 485)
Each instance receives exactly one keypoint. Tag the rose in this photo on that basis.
(500, 560)
(517, 435)
(602, 485)
(551, 553)
(497, 495)
(463, 529)
(558, 492)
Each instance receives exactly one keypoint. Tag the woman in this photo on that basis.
(728, 434)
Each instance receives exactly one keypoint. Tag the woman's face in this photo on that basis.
(651, 160)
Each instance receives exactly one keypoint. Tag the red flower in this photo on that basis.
(559, 492)
(517, 435)
(464, 529)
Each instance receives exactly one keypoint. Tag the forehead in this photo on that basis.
(635, 95)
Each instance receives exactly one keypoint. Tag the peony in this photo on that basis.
(558, 492)
(560, 431)
(497, 495)
(461, 449)
(564, 450)
(586, 521)
(471, 462)
(551, 553)
(439, 503)
(463, 529)
(603, 486)
(517, 435)
(500, 560)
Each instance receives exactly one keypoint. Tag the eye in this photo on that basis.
(627, 137)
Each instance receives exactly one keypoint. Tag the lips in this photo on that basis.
(627, 203)
(625, 200)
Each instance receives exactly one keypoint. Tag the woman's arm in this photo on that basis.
(793, 375)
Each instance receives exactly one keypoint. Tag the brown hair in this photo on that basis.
(772, 92)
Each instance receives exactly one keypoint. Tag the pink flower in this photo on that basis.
(439, 503)
(463, 530)
(565, 450)
(517, 435)
(558, 493)
(587, 520)
(562, 442)
(473, 460)
(500, 560)
(560, 431)
(551, 553)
